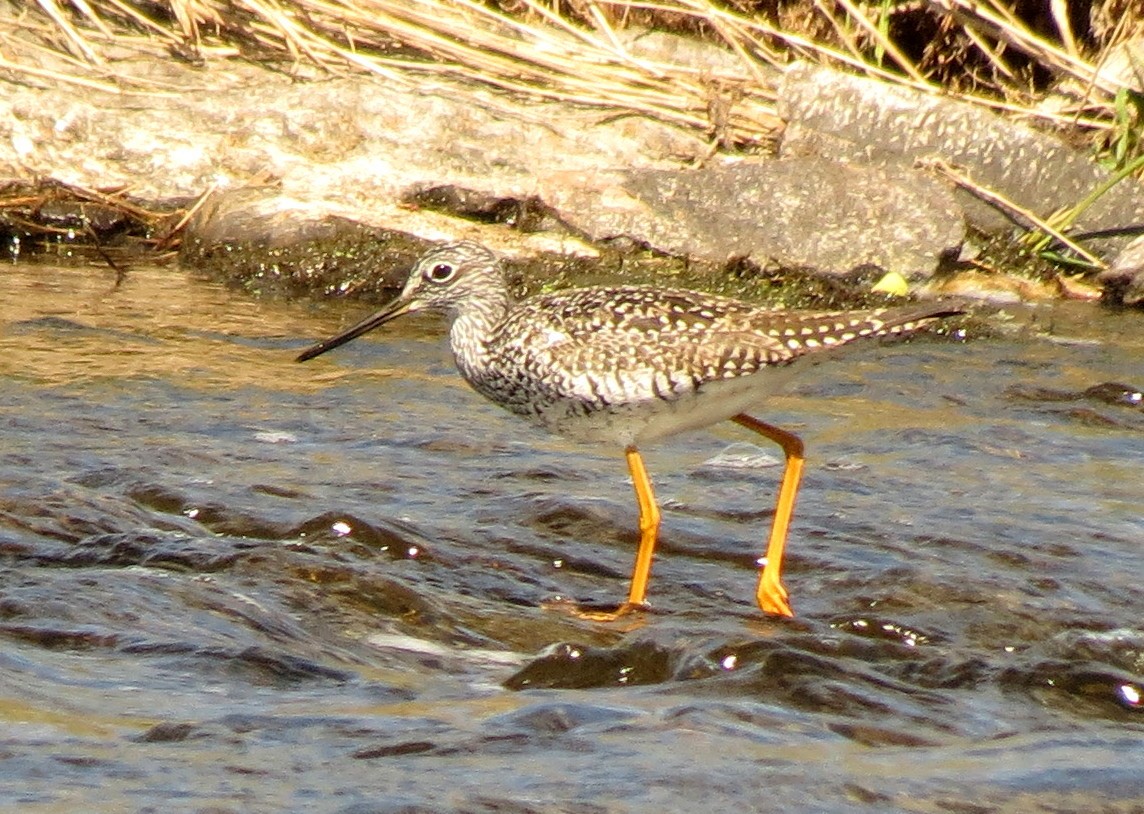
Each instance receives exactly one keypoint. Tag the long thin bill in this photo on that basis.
(374, 320)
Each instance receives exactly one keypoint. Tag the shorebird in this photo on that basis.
(630, 365)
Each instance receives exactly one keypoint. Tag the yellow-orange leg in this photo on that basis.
(649, 527)
(771, 595)
(649, 532)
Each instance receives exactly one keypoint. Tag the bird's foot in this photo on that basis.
(772, 597)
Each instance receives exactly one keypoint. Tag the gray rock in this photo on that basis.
(347, 146)
(812, 212)
(854, 118)
(355, 147)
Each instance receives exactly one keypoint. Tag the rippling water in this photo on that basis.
(229, 582)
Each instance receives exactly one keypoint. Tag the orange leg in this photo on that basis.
(649, 527)
(649, 532)
(771, 595)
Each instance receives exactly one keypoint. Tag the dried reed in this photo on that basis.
(581, 51)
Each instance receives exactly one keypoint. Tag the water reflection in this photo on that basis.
(231, 581)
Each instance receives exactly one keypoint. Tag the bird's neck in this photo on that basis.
(474, 324)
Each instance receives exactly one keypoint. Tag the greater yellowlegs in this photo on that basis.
(628, 365)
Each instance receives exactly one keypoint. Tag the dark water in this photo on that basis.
(233, 583)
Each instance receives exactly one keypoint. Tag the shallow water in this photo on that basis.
(229, 582)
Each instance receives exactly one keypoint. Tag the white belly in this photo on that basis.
(636, 423)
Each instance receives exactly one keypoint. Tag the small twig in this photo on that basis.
(1059, 9)
(120, 271)
(78, 41)
(199, 203)
(113, 199)
(1018, 212)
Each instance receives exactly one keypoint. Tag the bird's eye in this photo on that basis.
(441, 273)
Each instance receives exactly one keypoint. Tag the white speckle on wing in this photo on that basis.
(554, 337)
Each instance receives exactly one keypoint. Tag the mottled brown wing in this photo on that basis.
(625, 342)
(637, 340)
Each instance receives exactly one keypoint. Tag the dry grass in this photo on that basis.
(1004, 55)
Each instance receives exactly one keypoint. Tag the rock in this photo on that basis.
(854, 118)
(261, 241)
(804, 212)
(258, 240)
(385, 152)
(993, 289)
(345, 146)
(1123, 280)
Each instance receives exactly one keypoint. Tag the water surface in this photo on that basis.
(229, 582)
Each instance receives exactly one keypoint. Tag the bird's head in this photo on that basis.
(443, 279)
